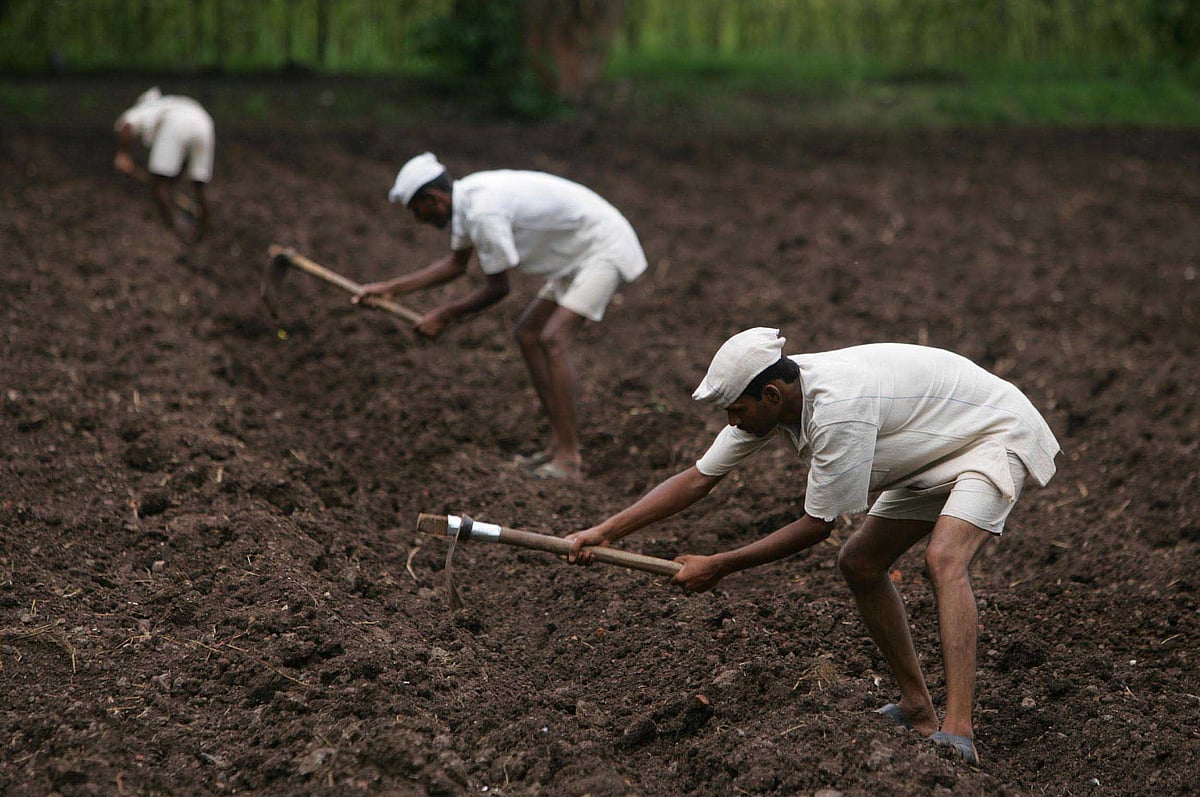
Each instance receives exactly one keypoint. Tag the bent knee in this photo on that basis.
(553, 342)
(858, 566)
(527, 335)
(946, 563)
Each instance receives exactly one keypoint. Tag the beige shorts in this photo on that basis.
(586, 290)
(184, 135)
(971, 498)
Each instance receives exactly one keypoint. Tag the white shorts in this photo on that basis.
(182, 135)
(586, 290)
(971, 498)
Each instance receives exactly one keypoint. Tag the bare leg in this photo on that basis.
(865, 560)
(164, 198)
(529, 332)
(556, 338)
(952, 547)
(201, 210)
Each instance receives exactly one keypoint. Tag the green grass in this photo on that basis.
(749, 72)
(761, 92)
(27, 102)
(770, 89)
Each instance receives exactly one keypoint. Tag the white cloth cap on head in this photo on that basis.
(741, 358)
(413, 175)
(149, 95)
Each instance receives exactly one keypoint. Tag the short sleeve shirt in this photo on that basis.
(147, 118)
(890, 415)
(539, 223)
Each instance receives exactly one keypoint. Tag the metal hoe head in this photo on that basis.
(272, 281)
(462, 528)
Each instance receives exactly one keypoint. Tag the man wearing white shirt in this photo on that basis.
(539, 224)
(947, 445)
(179, 133)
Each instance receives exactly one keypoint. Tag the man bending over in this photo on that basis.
(540, 224)
(949, 446)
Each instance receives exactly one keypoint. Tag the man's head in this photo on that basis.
(748, 377)
(425, 187)
(150, 95)
(763, 403)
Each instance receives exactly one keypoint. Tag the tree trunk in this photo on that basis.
(196, 33)
(322, 31)
(219, 33)
(146, 31)
(568, 42)
(289, 56)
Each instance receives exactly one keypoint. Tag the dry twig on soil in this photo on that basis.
(223, 646)
(49, 631)
(820, 674)
(408, 564)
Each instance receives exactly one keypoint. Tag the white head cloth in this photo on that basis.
(413, 175)
(149, 95)
(741, 358)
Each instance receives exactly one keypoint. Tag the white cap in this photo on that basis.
(413, 175)
(149, 95)
(741, 358)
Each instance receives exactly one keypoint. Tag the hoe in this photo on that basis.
(283, 259)
(464, 528)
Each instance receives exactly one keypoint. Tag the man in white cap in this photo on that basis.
(540, 224)
(948, 446)
(178, 132)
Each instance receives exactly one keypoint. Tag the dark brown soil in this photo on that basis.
(210, 580)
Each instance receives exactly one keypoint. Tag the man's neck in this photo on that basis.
(793, 403)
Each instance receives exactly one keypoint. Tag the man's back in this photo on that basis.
(539, 222)
(147, 117)
(925, 402)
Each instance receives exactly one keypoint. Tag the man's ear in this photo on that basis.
(771, 394)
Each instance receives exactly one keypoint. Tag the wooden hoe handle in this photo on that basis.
(439, 524)
(321, 272)
(609, 556)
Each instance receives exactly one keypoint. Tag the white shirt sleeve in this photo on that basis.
(730, 447)
(839, 479)
(493, 239)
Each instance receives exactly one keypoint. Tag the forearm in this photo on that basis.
(123, 161)
(472, 302)
(124, 139)
(437, 273)
(671, 496)
(792, 538)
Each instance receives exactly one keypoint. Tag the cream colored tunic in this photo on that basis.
(541, 224)
(889, 415)
(175, 129)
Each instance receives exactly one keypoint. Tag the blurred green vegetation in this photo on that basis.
(377, 36)
(902, 63)
(794, 62)
(24, 101)
(479, 46)
(917, 33)
(864, 92)
(214, 36)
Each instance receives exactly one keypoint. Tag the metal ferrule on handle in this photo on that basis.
(294, 258)
(485, 532)
(453, 525)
